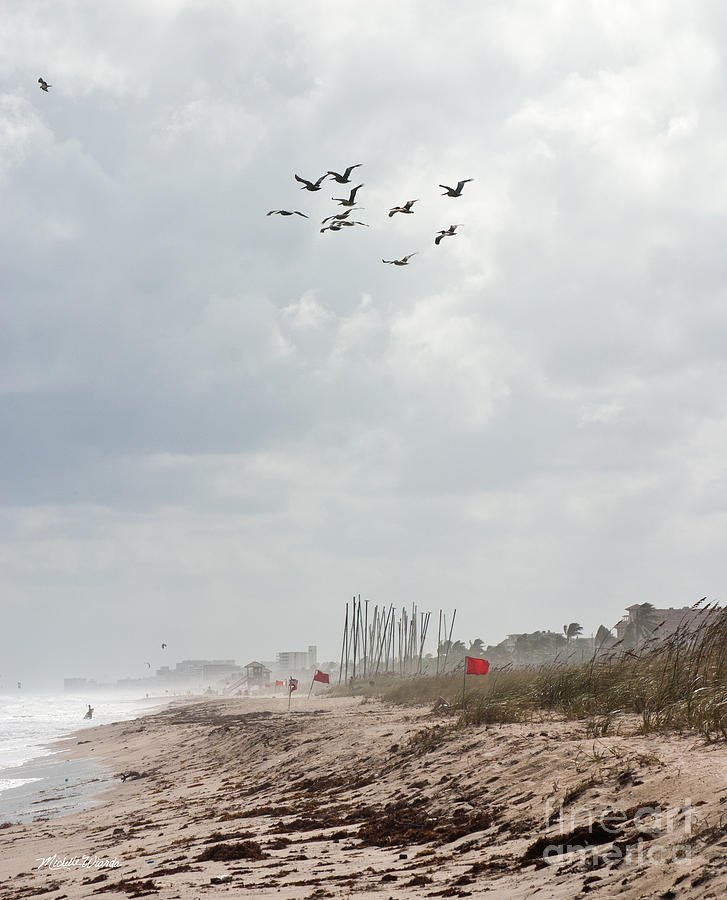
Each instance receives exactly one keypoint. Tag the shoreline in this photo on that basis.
(62, 779)
(55, 786)
(346, 796)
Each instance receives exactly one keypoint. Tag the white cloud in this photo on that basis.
(21, 132)
(205, 408)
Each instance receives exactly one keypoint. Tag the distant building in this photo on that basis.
(201, 669)
(667, 621)
(187, 675)
(297, 660)
(219, 668)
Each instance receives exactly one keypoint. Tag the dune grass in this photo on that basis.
(677, 684)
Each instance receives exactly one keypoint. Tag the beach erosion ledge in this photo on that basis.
(344, 795)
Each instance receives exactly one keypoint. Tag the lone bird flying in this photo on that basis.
(455, 192)
(404, 261)
(310, 185)
(44, 85)
(447, 232)
(346, 177)
(406, 208)
(286, 212)
(351, 197)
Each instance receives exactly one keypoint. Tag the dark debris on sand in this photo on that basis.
(402, 823)
(226, 852)
(134, 887)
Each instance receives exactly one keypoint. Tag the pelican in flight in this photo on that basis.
(334, 226)
(44, 85)
(338, 224)
(339, 216)
(310, 185)
(346, 177)
(351, 197)
(447, 232)
(455, 192)
(406, 208)
(404, 261)
(286, 212)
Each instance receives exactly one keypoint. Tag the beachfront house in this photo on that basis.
(635, 626)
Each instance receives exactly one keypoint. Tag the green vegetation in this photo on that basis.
(678, 684)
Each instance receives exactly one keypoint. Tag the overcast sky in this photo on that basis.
(217, 426)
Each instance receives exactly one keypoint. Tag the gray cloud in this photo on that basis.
(226, 423)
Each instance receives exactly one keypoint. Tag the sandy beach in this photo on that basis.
(343, 797)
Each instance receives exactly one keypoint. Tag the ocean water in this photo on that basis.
(30, 765)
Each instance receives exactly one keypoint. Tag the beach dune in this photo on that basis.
(346, 797)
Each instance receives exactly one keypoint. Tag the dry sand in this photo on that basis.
(348, 798)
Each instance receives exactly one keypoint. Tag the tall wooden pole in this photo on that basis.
(390, 643)
(449, 639)
(439, 638)
(423, 637)
(344, 647)
(400, 636)
(366, 636)
(444, 636)
(382, 639)
(356, 613)
(373, 633)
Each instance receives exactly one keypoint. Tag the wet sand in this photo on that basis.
(56, 785)
(344, 798)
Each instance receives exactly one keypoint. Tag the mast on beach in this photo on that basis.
(379, 640)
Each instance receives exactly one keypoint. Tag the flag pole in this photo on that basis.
(464, 681)
(290, 694)
(311, 687)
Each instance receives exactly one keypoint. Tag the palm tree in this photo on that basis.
(572, 630)
(477, 647)
(458, 651)
(644, 619)
(453, 652)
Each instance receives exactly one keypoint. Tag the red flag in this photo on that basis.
(279, 683)
(292, 685)
(474, 666)
(322, 677)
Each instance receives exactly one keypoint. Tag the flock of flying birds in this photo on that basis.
(339, 221)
